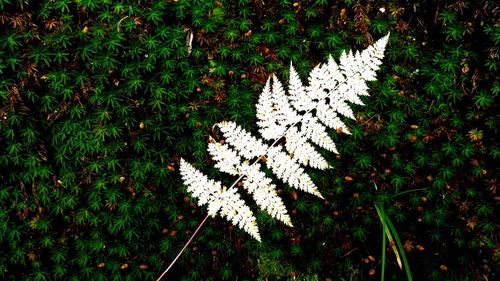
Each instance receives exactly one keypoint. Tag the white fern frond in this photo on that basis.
(329, 118)
(316, 132)
(274, 112)
(247, 145)
(290, 171)
(225, 202)
(264, 192)
(317, 88)
(297, 93)
(226, 159)
(207, 191)
(255, 181)
(357, 68)
(303, 152)
(238, 213)
(266, 115)
(302, 117)
(286, 114)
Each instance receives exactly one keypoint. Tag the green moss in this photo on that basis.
(99, 99)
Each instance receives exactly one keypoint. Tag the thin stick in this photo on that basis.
(184, 248)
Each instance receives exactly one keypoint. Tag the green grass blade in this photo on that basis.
(390, 231)
(400, 247)
(384, 245)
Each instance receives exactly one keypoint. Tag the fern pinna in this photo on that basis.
(302, 117)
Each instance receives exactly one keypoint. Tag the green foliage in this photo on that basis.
(99, 98)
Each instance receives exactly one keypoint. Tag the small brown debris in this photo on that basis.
(247, 35)
(143, 266)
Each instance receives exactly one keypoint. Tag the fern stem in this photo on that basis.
(183, 248)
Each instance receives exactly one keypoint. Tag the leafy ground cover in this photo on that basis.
(99, 99)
